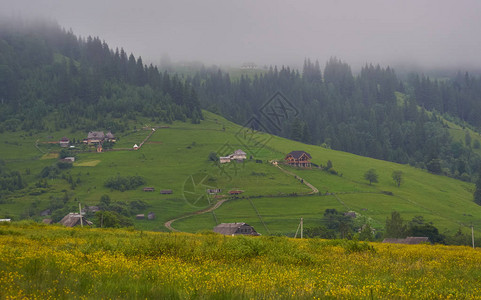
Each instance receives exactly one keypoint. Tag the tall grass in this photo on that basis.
(42, 262)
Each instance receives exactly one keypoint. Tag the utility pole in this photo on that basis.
(472, 234)
(302, 225)
(80, 212)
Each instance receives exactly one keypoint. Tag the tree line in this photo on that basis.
(81, 83)
(373, 114)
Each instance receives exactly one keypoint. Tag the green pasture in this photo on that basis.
(178, 152)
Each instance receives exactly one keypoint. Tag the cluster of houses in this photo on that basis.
(238, 156)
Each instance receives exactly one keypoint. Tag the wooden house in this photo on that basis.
(235, 192)
(140, 216)
(166, 192)
(151, 216)
(410, 240)
(75, 219)
(136, 147)
(97, 137)
(213, 191)
(148, 189)
(238, 155)
(64, 142)
(235, 229)
(298, 159)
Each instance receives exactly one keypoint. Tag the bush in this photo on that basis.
(124, 183)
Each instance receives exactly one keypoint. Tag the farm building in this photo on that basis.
(136, 147)
(298, 159)
(96, 137)
(238, 155)
(75, 219)
(235, 229)
(140, 216)
(64, 142)
(148, 189)
(166, 192)
(213, 191)
(235, 192)
(224, 159)
(410, 240)
(151, 216)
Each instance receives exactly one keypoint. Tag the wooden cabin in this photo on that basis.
(235, 229)
(75, 219)
(148, 189)
(64, 142)
(235, 192)
(298, 159)
(166, 192)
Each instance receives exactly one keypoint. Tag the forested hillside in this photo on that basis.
(51, 79)
(372, 114)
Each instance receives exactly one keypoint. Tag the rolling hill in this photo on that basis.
(176, 157)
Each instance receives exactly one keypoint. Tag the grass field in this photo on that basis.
(272, 201)
(63, 263)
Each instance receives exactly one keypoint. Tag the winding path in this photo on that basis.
(168, 224)
(313, 188)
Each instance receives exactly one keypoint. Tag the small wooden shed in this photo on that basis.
(165, 192)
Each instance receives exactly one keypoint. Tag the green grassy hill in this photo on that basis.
(176, 156)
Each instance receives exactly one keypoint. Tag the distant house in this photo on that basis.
(97, 137)
(148, 189)
(151, 216)
(140, 216)
(235, 229)
(410, 240)
(213, 191)
(75, 219)
(235, 192)
(165, 192)
(238, 155)
(224, 159)
(298, 159)
(136, 147)
(64, 142)
(69, 158)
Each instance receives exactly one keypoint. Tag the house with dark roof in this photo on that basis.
(75, 219)
(97, 137)
(235, 229)
(298, 159)
(410, 240)
(64, 142)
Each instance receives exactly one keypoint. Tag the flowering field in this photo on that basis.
(55, 262)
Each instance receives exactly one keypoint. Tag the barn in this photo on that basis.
(235, 229)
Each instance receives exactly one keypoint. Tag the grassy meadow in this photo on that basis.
(38, 261)
(176, 158)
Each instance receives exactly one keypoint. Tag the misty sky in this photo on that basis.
(431, 33)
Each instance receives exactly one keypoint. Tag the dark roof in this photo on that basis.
(298, 154)
(64, 139)
(109, 135)
(166, 192)
(410, 240)
(231, 228)
(73, 219)
(96, 135)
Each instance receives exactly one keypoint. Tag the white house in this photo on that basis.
(224, 159)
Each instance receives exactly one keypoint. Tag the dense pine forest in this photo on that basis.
(51, 79)
(81, 83)
(372, 114)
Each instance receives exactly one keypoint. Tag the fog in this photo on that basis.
(441, 34)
